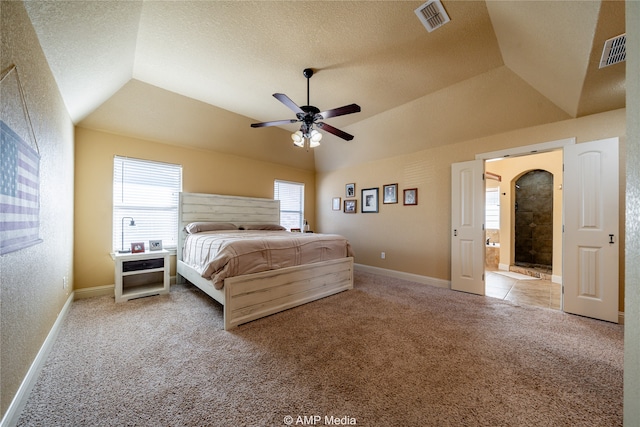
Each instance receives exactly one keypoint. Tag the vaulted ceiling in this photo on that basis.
(197, 73)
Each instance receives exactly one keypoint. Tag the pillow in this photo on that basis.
(198, 227)
(272, 227)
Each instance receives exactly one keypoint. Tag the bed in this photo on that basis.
(248, 297)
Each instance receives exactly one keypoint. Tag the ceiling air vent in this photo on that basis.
(432, 15)
(614, 51)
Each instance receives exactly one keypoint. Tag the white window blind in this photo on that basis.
(147, 192)
(492, 209)
(291, 196)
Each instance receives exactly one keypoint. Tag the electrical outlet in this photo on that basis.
(64, 282)
(382, 255)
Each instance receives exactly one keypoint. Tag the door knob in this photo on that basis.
(611, 239)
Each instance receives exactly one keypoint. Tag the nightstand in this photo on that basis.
(141, 275)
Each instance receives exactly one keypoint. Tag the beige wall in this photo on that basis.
(202, 172)
(416, 239)
(31, 285)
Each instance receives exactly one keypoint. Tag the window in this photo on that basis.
(291, 196)
(147, 192)
(492, 209)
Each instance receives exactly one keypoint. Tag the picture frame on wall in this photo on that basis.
(410, 196)
(335, 203)
(155, 245)
(350, 206)
(350, 190)
(369, 201)
(390, 193)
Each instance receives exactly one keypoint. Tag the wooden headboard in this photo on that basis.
(193, 207)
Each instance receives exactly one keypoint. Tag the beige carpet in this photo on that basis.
(388, 353)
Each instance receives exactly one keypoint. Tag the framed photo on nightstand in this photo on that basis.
(155, 245)
(137, 247)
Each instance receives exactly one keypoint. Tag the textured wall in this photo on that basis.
(632, 273)
(31, 289)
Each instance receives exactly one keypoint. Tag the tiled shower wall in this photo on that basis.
(534, 219)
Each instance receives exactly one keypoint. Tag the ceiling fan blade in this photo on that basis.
(341, 111)
(335, 131)
(288, 102)
(274, 123)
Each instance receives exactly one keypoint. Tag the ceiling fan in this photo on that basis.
(310, 116)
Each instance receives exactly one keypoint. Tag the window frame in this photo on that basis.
(158, 203)
(493, 210)
(300, 212)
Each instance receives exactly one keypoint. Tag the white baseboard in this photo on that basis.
(440, 283)
(10, 418)
(105, 290)
(96, 291)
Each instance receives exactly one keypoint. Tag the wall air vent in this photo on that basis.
(432, 15)
(614, 51)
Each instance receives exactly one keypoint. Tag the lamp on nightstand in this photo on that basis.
(131, 223)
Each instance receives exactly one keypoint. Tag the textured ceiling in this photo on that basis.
(172, 71)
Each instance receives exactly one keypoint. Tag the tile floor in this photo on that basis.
(537, 292)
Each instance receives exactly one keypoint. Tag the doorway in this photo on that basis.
(520, 229)
(590, 255)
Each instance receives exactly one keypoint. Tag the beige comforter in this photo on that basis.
(217, 255)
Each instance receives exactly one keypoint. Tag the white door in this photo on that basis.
(590, 246)
(467, 227)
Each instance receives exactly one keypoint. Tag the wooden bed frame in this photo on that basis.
(252, 296)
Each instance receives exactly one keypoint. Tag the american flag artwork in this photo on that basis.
(19, 192)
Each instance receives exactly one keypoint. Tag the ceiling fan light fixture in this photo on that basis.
(311, 116)
(315, 138)
(298, 138)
